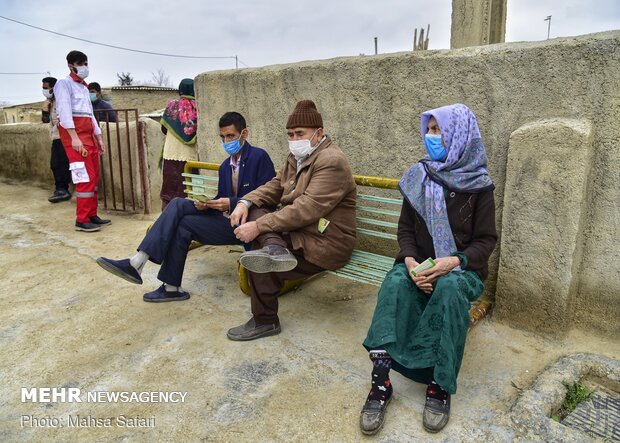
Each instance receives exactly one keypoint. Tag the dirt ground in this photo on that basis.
(65, 322)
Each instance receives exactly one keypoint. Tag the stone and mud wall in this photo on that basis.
(144, 99)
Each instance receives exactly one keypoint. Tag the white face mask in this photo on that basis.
(82, 71)
(301, 148)
(47, 93)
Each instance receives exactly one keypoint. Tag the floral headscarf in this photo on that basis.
(464, 170)
(180, 116)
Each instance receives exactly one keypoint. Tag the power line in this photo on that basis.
(24, 73)
(115, 47)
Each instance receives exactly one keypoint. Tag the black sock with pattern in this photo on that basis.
(381, 388)
(433, 390)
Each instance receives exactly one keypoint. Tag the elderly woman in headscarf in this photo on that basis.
(179, 124)
(421, 319)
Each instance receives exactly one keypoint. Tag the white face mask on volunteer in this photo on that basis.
(81, 71)
(302, 148)
(47, 93)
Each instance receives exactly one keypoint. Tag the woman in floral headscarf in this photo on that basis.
(179, 125)
(420, 321)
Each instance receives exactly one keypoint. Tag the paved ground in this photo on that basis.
(66, 322)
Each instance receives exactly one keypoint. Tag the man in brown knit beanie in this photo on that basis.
(300, 223)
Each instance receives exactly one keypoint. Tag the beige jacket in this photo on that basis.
(53, 121)
(322, 188)
(174, 149)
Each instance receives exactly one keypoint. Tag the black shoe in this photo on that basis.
(120, 268)
(372, 416)
(100, 221)
(86, 227)
(161, 295)
(59, 196)
(251, 331)
(271, 258)
(436, 409)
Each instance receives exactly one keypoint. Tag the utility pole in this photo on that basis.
(236, 62)
(376, 45)
(548, 19)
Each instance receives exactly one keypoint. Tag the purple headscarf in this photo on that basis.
(464, 170)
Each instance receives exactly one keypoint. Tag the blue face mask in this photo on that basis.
(232, 147)
(93, 96)
(435, 149)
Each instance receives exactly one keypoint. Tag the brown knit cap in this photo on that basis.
(305, 115)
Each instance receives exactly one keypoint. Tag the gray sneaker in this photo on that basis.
(271, 258)
(372, 416)
(436, 412)
(251, 331)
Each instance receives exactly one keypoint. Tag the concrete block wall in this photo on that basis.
(477, 22)
(25, 152)
(545, 209)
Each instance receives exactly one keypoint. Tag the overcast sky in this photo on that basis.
(260, 33)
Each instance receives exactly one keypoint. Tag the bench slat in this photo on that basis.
(201, 177)
(372, 221)
(375, 198)
(376, 233)
(201, 186)
(373, 259)
(357, 278)
(363, 271)
(377, 210)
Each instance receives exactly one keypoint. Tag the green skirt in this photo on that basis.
(424, 333)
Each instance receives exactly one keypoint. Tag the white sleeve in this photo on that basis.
(96, 126)
(94, 120)
(62, 91)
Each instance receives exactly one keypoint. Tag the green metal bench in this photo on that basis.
(377, 218)
(198, 185)
(377, 223)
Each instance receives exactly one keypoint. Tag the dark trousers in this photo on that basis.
(265, 288)
(59, 164)
(167, 242)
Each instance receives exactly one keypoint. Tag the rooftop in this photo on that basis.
(143, 88)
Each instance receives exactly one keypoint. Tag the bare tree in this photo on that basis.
(125, 79)
(160, 78)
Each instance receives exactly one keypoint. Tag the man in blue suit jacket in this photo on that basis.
(167, 242)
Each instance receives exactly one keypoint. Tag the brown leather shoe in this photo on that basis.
(271, 258)
(251, 331)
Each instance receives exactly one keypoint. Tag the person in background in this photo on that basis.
(59, 163)
(81, 137)
(167, 242)
(421, 318)
(94, 90)
(179, 124)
